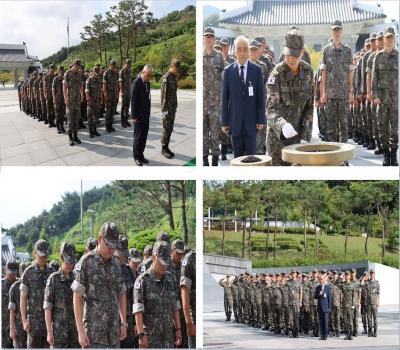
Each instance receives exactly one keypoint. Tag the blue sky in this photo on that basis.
(42, 24)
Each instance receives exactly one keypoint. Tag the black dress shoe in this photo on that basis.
(145, 160)
(138, 162)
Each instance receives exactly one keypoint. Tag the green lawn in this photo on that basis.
(332, 249)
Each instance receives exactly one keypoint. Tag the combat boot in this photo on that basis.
(350, 336)
(95, 133)
(360, 140)
(366, 141)
(375, 334)
(81, 125)
(223, 152)
(386, 159)
(123, 124)
(59, 129)
(108, 127)
(214, 161)
(62, 127)
(355, 138)
(205, 161)
(71, 140)
(76, 140)
(126, 122)
(169, 151)
(369, 332)
(337, 334)
(371, 145)
(165, 152)
(365, 331)
(393, 157)
(379, 149)
(91, 135)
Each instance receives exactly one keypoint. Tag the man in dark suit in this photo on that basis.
(243, 100)
(140, 113)
(323, 294)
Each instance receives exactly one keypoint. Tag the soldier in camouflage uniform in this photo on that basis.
(147, 259)
(110, 91)
(286, 323)
(228, 58)
(337, 85)
(17, 333)
(213, 68)
(6, 283)
(125, 80)
(289, 106)
(350, 295)
(36, 94)
(100, 293)
(319, 105)
(363, 301)
(360, 99)
(357, 286)
(235, 299)
(47, 88)
(266, 56)
(385, 96)
(259, 296)
(295, 298)
(32, 295)
(226, 283)
(85, 76)
(265, 301)
(372, 298)
(156, 303)
(58, 305)
(305, 305)
(58, 100)
(334, 315)
(93, 96)
(277, 297)
(314, 303)
(375, 131)
(32, 95)
(43, 100)
(73, 91)
(169, 103)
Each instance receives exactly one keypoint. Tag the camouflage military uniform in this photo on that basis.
(58, 298)
(14, 304)
(277, 290)
(125, 78)
(374, 116)
(337, 62)
(385, 87)
(36, 92)
(100, 283)
(242, 310)
(213, 68)
(110, 81)
(47, 83)
(258, 306)
(349, 291)
(93, 88)
(285, 315)
(357, 123)
(43, 99)
(357, 286)
(320, 109)
(265, 304)
(372, 295)
(235, 299)
(305, 307)
(290, 100)
(84, 106)
(34, 283)
(6, 341)
(158, 300)
(368, 127)
(128, 278)
(32, 96)
(334, 315)
(145, 264)
(313, 308)
(228, 298)
(73, 80)
(59, 103)
(169, 103)
(295, 289)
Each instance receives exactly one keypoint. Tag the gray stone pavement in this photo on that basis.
(218, 333)
(363, 157)
(25, 141)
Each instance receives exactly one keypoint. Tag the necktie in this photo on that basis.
(242, 74)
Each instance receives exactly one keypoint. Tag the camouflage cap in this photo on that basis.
(128, 61)
(148, 250)
(22, 266)
(260, 39)
(254, 44)
(372, 36)
(293, 44)
(52, 66)
(34, 73)
(12, 266)
(389, 32)
(42, 247)
(62, 69)
(112, 63)
(292, 271)
(347, 272)
(367, 42)
(123, 250)
(54, 265)
(77, 62)
(365, 273)
(323, 271)
(379, 35)
(209, 31)
(217, 44)
(162, 251)
(163, 236)
(91, 244)
(179, 246)
(335, 272)
(110, 234)
(294, 27)
(315, 271)
(283, 274)
(336, 25)
(371, 271)
(67, 251)
(135, 255)
(224, 42)
(175, 63)
(353, 270)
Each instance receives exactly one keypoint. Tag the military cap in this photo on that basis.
(134, 255)
(372, 36)
(353, 270)
(112, 63)
(254, 44)
(323, 271)
(163, 236)
(293, 44)
(365, 273)
(179, 246)
(335, 272)
(175, 63)
(347, 272)
(389, 32)
(42, 247)
(54, 265)
(224, 42)
(367, 42)
(283, 274)
(371, 271)
(260, 39)
(162, 251)
(40, 74)
(298, 271)
(34, 73)
(379, 35)
(22, 266)
(110, 234)
(91, 244)
(277, 274)
(148, 250)
(294, 27)
(209, 31)
(62, 69)
(12, 266)
(77, 62)
(336, 24)
(96, 69)
(52, 66)
(217, 44)
(128, 61)
(124, 247)
(292, 270)
(315, 271)
(67, 251)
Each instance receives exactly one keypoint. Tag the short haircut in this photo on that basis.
(241, 38)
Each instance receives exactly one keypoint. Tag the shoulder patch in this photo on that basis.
(137, 285)
(184, 263)
(77, 266)
(271, 80)
(143, 269)
(164, 80)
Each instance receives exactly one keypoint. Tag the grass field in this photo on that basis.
(331, 249)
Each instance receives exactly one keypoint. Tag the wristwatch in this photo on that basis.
(141, 335)
(124, 324)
